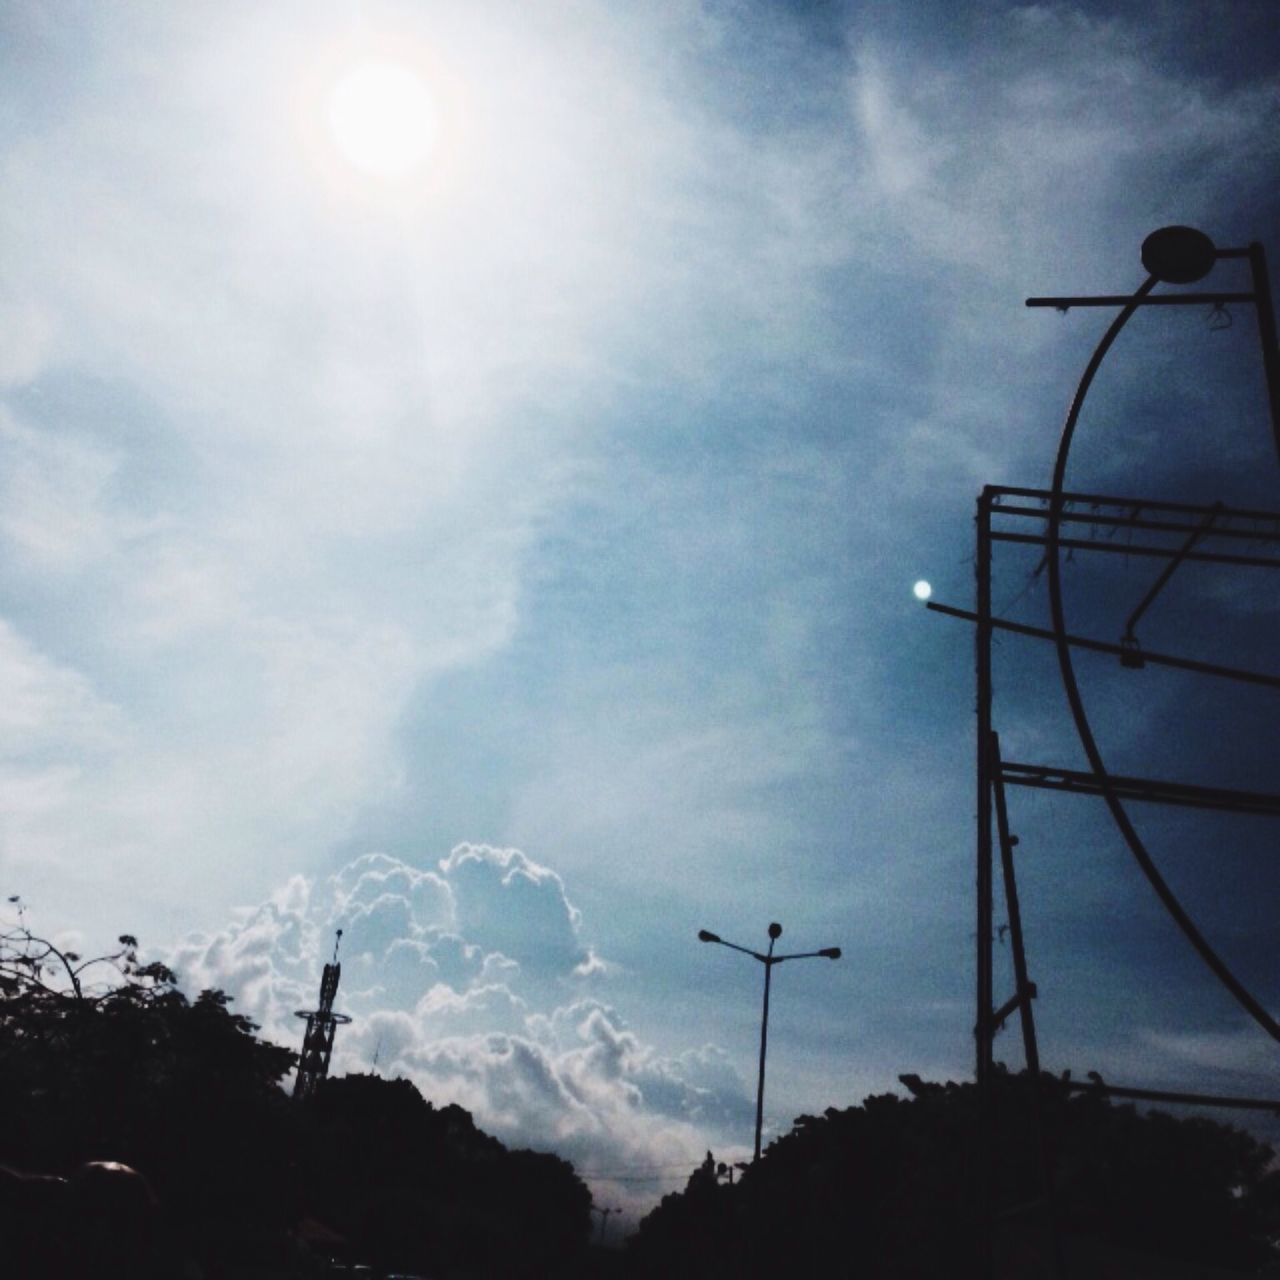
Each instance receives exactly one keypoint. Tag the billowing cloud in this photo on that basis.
(510, 904)
(468, 977)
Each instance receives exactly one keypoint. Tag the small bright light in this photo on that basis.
(922, 590)
(382, 119)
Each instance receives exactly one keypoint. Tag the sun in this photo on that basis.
(382, 119)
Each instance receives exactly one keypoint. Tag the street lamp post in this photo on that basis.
(768, 960)
(604, 1218)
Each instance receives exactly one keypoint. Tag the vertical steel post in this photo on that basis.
(982, 1020)
(764, 1040)
(1267, 333)
(1025, 992)
(982, 643)
(1023, 985)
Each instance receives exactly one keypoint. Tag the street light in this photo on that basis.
(604, 1218)
(768, 960)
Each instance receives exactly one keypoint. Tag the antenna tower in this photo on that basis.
(322, 1025)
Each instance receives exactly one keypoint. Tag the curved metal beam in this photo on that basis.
(1062, 643)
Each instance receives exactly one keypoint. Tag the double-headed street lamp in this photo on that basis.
(768, 960)
(604, 1218)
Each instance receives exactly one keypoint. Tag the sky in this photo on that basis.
(489, 528)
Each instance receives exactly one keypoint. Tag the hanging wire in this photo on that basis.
(1032, 579)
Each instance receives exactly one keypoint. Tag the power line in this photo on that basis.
(634, 1173)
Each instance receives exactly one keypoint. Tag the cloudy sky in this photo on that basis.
(463, 470)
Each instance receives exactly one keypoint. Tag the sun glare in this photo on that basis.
(382, 119)
(922, 590)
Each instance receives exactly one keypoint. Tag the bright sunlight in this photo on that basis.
(382, 119)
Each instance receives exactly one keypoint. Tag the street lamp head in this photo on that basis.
(775, 930)
(832, 953)
(1178, 255)
(705, 935)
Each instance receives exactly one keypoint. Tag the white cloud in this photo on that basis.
(58, 732)
(55, 508)
(45, 706)
(1201, 1055)
(377, 410)
(1013, 156)
(26, 340)
(510, 904)
(524, 1046)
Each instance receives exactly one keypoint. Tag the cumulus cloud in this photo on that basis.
(510, 904)
(473, 979)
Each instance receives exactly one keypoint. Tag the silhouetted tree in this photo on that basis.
(696, 1232)
(418, 1187)
(105, 1059)
(889, 1189)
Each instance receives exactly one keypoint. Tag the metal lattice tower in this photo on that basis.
(322, 1025)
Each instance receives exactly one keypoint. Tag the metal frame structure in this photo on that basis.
(322, 1026)
(1058, 521)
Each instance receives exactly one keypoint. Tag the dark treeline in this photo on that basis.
(890, 1190)
(240, 1179)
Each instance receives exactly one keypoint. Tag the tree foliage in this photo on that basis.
(418, 1186)
(891, 1189)
(106, 1059)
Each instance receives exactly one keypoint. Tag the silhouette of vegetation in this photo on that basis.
(415, 1186)
(890, 1189)
(106, 1060)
